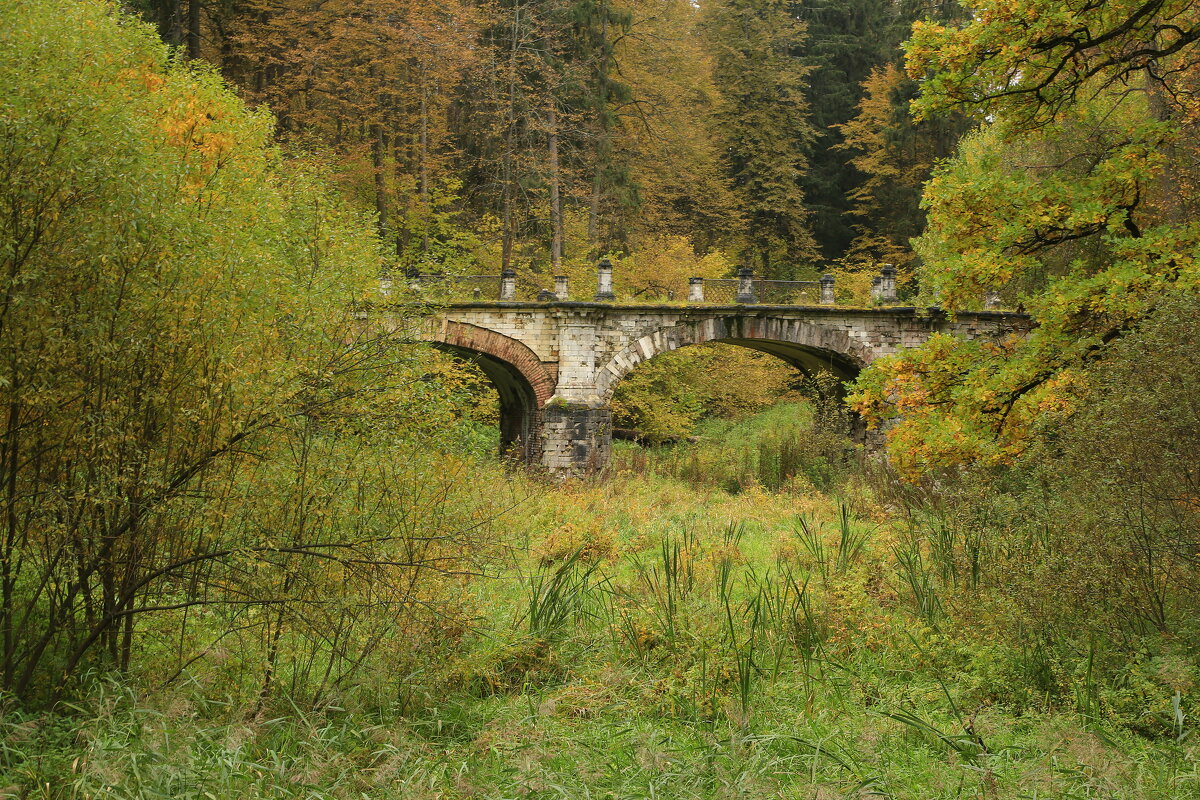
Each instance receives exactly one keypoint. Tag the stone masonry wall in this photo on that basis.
(575, 439)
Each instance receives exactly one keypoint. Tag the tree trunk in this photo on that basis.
(174, 30)
(423, 166)
(1159, 104)
(601, 148)
(193, 29)
(168, 18)
(594, 214)
(510, 145)
(12, 463)
(556, 220)
(377, 148)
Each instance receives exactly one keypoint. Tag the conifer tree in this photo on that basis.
(763, 124)
(846, 40)
(895, 154)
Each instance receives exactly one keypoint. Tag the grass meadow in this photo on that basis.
(738, 617)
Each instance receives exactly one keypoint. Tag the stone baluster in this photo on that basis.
(604, 282)
(508, 285)
(561, 291)
(695, 290)
(745, 291)
(877, 289)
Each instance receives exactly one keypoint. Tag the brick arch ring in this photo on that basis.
(464, 336)
(775, 336)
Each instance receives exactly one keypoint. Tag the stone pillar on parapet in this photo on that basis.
(887, 283)
(745, 290)
(827, 287)
(604, 281)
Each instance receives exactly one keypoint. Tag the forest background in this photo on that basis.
(541, 135)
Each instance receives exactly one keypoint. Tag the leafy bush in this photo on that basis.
(663, 399)
(185, 387)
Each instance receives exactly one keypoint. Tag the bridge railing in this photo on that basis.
(788, 292)
(720, 291)
(440, 287)
(508, 286)
(744, 289)
(656, 293)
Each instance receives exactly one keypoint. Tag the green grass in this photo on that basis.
(776, 450)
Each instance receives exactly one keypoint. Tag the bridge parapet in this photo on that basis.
(509, 286)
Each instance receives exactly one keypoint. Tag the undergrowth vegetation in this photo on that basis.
(646, 636)
(783, 448)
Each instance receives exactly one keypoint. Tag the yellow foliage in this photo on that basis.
(665, 263)
(590, 540)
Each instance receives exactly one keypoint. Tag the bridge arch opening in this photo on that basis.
(807, 360)
(730, 417)
(523, 383)
(806, 347)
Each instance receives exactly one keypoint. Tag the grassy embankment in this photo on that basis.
(651, 638)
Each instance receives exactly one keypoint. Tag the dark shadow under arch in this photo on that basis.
(522, 382)
(807, 360)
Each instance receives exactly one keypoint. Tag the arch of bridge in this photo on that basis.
(803, 344)
(505, 349)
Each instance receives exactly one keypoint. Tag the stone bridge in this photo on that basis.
(555, 364)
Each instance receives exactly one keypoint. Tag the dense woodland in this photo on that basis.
(526, 133)
(250, 547)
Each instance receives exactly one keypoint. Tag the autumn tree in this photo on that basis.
(183, 377)
(668, 131)
(1074, 201)
(896, 155)
(370, 81)
(763, 123)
